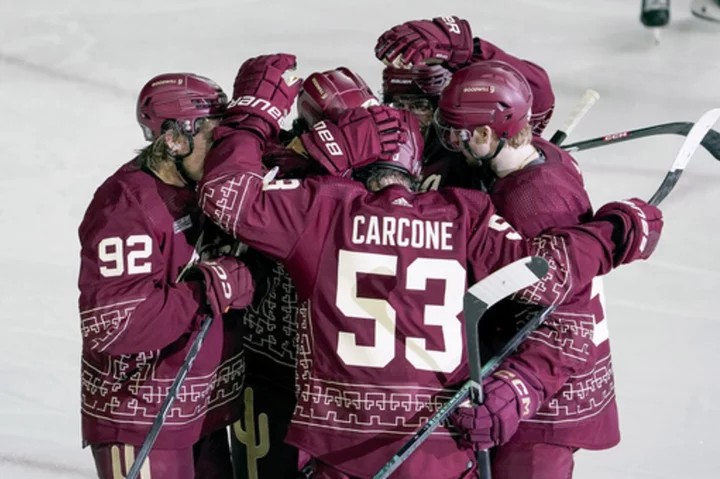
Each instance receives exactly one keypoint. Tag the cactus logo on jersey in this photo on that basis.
(257, 447)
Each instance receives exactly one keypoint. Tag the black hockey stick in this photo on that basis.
(695, 137)
(478, 299)
(170, 398)
(711, 142)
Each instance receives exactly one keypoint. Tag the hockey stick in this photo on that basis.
(477, 300)
(693, 141)
(586, 102)
(711, 142)
(463, 393)
(170, 398)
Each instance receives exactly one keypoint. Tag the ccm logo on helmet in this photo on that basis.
(259, 103)
(328, 140)
(450, 22)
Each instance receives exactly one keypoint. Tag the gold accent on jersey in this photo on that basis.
(255, 450)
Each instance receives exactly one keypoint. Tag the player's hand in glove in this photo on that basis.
(510, 396)
(638, 226)
(262, 97)
(442, 39)
(228, 283)
(360, 137)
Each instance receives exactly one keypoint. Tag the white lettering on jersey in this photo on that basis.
(391, 231)
(113, 261)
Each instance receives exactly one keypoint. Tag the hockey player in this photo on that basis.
(535, 186)
(381, 275)
(270, 324)
(143, 297)
(418, 89)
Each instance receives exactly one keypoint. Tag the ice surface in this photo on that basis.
(69, 74)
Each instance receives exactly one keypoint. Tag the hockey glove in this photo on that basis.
(228, 283)
(262, 98)
(510, 396)
(444, 39)
(638, 226)
(360, 137)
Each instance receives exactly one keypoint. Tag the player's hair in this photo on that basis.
(158, 151)
(523, 137)
(382, 176)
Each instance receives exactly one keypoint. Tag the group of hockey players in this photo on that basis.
(333, 258)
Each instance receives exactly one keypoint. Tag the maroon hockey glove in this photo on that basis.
(360, 137)
(228, 283)
(261, 91)
(509, 398)
(447, 39)
(638, 226)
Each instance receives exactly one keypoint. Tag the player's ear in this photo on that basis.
(482, 135)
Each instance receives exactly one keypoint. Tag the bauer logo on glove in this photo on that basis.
(262, 105)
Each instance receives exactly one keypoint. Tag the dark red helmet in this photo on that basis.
(421, 80)
(409, 157)
(325, 95)
(490, 93)
(182, 97)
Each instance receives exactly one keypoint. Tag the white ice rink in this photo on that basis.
(70, 71)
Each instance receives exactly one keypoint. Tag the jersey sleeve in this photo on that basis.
(126, 304)
(575, 254)
(269, 216)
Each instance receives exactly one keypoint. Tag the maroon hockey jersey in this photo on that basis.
(571, 355)
(137, 321)
(381, 278)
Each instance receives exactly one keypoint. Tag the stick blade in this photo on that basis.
(694, 138)
(503, 282)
